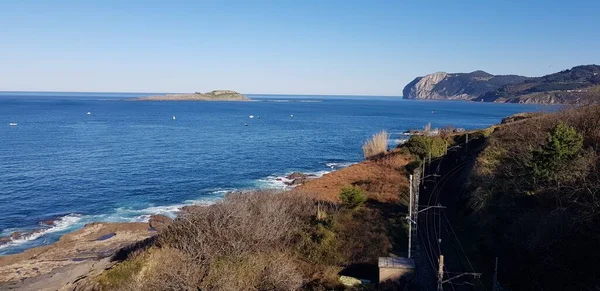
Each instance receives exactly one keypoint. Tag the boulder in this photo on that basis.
(298, 178)
(4, 240)
(49, 222)
(296, 175)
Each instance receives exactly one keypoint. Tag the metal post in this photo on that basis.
(495, 282)
(410, 216)
(441, 273)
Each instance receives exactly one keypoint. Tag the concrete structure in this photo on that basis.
(393, 269)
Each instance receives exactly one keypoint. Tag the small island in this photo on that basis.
(216, 95)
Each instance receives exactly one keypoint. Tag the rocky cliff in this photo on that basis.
(216, 95)
(456, 86)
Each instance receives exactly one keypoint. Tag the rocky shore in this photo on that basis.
(216, 95)
(85, 253)
(74, 257)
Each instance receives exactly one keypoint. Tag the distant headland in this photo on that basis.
(216, 95)
(578, 85)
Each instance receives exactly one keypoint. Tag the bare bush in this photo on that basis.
(244, 242)
(240, 223)
(376, 146)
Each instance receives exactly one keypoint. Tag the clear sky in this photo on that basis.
(280, 46)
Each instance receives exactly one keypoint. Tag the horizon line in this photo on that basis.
(132, 92)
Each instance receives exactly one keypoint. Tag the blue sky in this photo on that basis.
(295, 47)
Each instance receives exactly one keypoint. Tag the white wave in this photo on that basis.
(143, 215)
(274, 182)
(339, 165)
(74, 221)
(397, 141)
(61, 224)
(281, 182)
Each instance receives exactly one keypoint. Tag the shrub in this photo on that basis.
(353, 197)
(563, 144)
(412, 166)
(376, 146)
(422, 146)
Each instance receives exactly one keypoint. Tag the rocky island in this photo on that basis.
(216, 95)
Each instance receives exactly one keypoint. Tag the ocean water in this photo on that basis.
(126, 160)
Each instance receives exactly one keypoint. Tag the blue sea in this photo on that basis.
(126, 160)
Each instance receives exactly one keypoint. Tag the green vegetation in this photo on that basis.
(119, 275)
(550, 161)
(426, 146)
(353, 197)
(532, 201)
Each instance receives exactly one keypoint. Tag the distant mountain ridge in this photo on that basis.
(578, 85)
(457, 86)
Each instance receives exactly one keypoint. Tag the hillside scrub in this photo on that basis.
(352, 197)
(426, 146)
(533, 196)
(259, 241)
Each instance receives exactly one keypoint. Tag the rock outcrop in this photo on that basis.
(216, 95)
(297, 178)
(76, 256)
(456, 86)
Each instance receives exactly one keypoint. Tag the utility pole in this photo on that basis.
(467, 143)
(430, 146)
(410, 215)
(495, 282)
(445, 147)
(440, 276)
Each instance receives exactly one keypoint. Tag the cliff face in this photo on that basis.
(422, 87)
(216, 95)
(579, 85)
(456, 86)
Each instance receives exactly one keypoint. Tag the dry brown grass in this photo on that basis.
(247, 241)
(383, 180)
(376, 146)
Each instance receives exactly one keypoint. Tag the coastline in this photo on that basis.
(20, 238)
(88, 251)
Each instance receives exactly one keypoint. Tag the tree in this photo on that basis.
(353, 197)
(563, 145)
(423, 146)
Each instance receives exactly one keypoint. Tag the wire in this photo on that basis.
(462, 249)
(427, 253)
